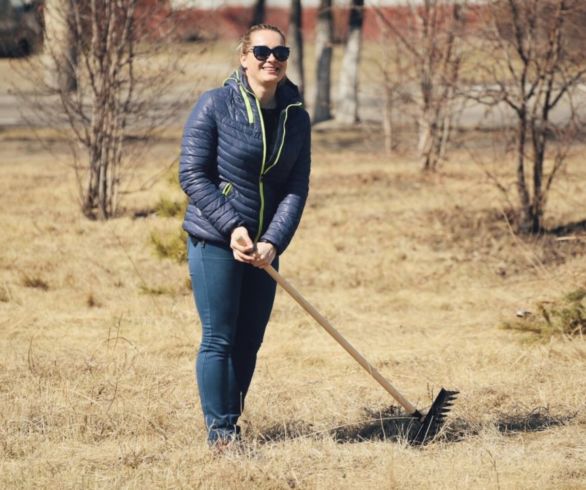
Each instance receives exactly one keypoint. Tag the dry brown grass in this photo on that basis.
(96, 371)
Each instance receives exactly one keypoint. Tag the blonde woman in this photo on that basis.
(245, 164)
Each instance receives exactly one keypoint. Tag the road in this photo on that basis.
(15, 113)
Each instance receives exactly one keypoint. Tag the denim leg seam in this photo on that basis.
(203, 363)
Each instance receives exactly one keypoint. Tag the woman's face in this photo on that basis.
(268, 72)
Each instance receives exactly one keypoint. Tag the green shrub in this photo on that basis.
(170, 246)
(565, 317)
(576, 296)
(168, 208)
(173, 177)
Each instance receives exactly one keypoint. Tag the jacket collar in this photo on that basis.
(287, 92)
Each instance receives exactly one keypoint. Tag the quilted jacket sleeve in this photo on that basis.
(196, 167)
(286, 219)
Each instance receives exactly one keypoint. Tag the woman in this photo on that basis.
(245, 163)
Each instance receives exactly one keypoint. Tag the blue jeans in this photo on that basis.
(234, 301)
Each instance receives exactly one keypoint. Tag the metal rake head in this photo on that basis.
(435, 418)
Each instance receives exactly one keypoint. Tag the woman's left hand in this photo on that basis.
(264, 255)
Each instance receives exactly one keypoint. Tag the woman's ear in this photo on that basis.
(243, 61)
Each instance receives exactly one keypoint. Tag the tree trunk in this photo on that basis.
(426, 132)
(323, 49)
(539, 142)
(60, 53)
(426, 129)
(526, 223)
(388, 118)
(347, 109)
(295, 36)
(258, 15)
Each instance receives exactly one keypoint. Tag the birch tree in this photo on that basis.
(295, 37)
(324, 38)
(60, 50)
(347, 107)
(258, 13)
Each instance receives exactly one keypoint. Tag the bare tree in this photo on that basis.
(258, 13)
(533, 64)
(60, 47)
(122, 79)
(324, 38)
(393, 66)
(295, 36)
(347, 108)
(427, 35)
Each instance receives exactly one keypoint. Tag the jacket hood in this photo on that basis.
(287, 92)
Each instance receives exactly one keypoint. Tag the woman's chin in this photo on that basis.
(272, 77)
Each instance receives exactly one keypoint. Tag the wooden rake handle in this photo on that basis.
(341, 340)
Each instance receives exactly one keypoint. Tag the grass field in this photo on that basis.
(98, 335)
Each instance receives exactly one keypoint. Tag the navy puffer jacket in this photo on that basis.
(229, 175)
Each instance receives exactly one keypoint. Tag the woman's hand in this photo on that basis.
(244, 250)
(265, 254)
(242, 246)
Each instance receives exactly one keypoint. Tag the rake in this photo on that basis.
(425, 427)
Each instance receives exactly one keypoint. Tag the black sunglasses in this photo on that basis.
(262, 53)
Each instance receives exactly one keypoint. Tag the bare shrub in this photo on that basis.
(424, 41)
(107, 77)
(529, 64)
(5, 293)
(35, 282)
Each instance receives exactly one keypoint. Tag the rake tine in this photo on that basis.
(435, 418)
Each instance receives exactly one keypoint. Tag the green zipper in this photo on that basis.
(263, 171)
(261, 186)
(297, 104)
(226, 191)
(248, 107)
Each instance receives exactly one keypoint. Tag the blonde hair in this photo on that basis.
(244, 45)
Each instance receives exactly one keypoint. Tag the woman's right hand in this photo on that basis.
(242, 246)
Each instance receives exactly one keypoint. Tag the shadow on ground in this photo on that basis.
(392, 425)
(570, 228)
(537, 420)
(387, 424)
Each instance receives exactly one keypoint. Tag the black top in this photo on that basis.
(271, 121)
